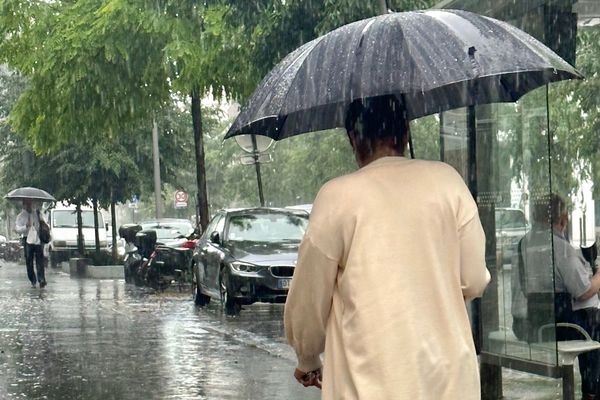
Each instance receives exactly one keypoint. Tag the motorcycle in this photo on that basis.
(133, 258)
(12, 250)
(170, 263)
(151, 263)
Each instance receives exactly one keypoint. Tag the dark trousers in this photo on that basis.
(35, 251)
(589, 363)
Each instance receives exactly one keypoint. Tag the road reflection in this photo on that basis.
(102, 339)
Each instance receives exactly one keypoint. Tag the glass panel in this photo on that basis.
(523, 232)
(510, 180)
(425, 138)
(453, 139)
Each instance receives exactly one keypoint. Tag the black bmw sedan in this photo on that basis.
(247, 255)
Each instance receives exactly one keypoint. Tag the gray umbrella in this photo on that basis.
(30, 193)
(432, 60)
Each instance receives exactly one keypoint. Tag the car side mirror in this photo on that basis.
(215, 237)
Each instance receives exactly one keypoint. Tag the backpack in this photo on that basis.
(44, 231)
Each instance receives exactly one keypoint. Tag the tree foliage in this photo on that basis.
(100, 70)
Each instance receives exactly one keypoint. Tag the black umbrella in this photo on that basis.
(29, 193)
(432, 60)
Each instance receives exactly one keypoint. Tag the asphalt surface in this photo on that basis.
(101, 339)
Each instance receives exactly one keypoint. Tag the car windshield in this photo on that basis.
(507, 219)
(68, 219)
(170, 230)
(267, 227)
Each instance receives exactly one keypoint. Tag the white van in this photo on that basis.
(63, 227)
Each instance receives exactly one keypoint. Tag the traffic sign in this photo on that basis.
(181, 199)
(133, 202)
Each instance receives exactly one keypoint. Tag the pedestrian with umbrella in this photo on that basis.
(30, 224)
(393, 250)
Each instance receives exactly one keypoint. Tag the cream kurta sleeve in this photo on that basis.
(473, 277)
(309, 300)
(308, 304)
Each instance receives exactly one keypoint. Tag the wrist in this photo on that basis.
(309, 363)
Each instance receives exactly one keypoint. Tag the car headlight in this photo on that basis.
(245, 267)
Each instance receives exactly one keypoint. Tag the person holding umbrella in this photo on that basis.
(390, 256)
(28, 225)
(394, 249)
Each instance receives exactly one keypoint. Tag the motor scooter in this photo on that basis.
(170, 263)
(133, 258)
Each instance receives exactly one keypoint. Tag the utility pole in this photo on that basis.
(156, 160)
(383, 8)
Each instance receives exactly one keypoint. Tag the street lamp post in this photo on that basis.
(256, 154)
(256, 146)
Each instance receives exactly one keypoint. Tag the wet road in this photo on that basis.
(102, 339)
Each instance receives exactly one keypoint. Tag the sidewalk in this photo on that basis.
(96, 339)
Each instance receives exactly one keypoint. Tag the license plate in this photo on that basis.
(283, 283)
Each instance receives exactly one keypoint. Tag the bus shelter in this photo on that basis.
(513, 163)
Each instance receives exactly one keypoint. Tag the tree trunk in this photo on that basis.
(80, 242)
(113, 223)
(156, 164)
(200, 167)
(96, 227)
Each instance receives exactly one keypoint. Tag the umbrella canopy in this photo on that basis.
(432, 61)
(29, 193)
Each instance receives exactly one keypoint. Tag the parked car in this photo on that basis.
(247, 255)
(511, 226)
(63, 228)
(303, 207)
(170, 231)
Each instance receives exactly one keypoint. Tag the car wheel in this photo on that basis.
(200, 299)
(232, 306)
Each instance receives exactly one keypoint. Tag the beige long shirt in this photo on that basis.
(390, 255)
